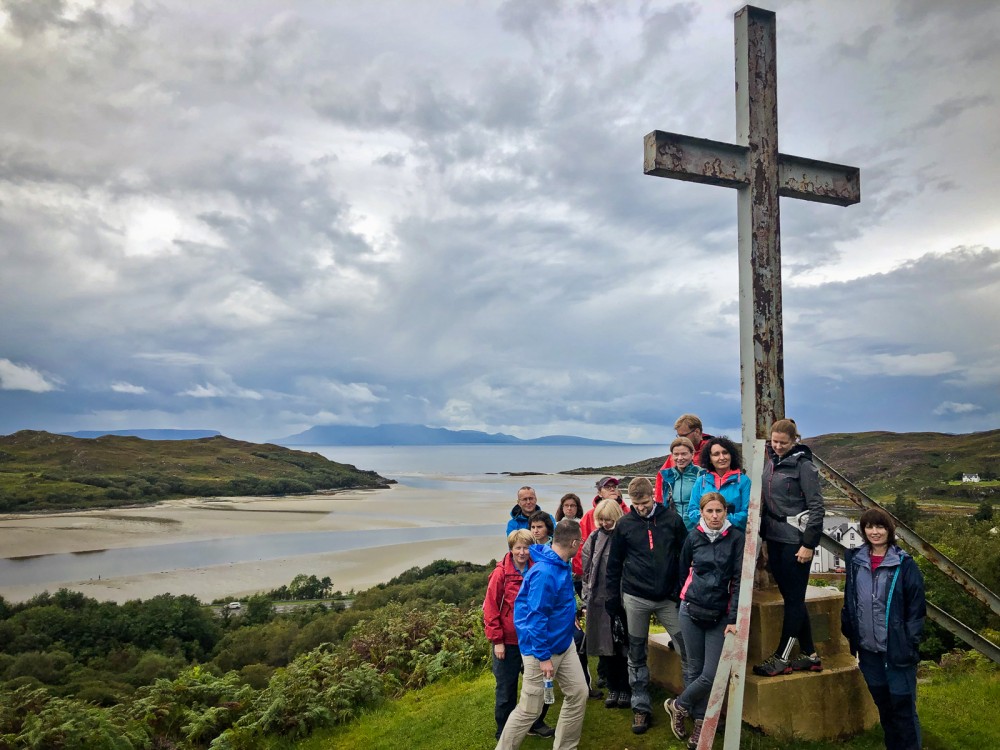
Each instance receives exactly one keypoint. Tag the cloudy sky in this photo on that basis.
(262, 216)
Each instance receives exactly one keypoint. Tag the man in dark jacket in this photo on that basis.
(545, 620)
(642, 579)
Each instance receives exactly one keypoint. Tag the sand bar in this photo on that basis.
(205, 519)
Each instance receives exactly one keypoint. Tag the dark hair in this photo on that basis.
(567, 531)
(579, 506)
(735, 459)
(541, 515)
(877, 517)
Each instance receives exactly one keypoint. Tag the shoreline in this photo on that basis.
(199, 519)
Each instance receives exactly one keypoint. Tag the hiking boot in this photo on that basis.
(695, 733)
(806, 663)
(541, 729)
(625, 699)
(612, 700)
(595, 695)
(678, 716)
(640, 722)
(772, 666)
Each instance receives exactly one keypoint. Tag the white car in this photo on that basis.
(234, 605)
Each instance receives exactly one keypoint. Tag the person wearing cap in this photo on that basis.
(520, 514)
(686, 426)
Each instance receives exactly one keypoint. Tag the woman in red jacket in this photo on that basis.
(498, 620)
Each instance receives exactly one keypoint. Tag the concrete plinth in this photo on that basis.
(809, 706)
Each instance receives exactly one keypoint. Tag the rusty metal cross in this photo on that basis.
(760, 175)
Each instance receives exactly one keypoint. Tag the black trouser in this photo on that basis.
(506, 671)
(616, 669)
(792, 578)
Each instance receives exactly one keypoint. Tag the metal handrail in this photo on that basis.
(937, 558)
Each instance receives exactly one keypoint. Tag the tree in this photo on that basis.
(985, 511)
(905, 510)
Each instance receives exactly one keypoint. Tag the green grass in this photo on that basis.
(458, 715)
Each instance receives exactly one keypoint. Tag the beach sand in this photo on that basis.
(203, 519)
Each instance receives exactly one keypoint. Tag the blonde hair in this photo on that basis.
(519, 535)
(686, 442)
(608, 510)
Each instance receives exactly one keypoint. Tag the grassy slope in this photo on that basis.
(458, 714)
(39, 470)
(885, 463)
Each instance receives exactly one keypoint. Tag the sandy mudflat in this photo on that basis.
(200, 519)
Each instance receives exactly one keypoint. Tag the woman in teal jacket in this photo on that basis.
(725, 477)
(678, 481)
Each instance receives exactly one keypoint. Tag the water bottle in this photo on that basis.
(548, 692)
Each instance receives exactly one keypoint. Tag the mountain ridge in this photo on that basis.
(417, 434)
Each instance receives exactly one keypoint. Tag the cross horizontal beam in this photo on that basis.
(683, 157)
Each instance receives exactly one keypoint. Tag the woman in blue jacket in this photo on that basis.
(724, 475)
(883, 619)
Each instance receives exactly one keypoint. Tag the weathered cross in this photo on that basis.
(760, 174)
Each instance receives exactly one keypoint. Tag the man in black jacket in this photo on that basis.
(642, 579)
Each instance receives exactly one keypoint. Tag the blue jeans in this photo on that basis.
(637, 612)
(704, 648)
(894, 690)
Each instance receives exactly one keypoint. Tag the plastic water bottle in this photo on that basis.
(548, 692)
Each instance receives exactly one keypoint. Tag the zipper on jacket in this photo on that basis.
(888, 601)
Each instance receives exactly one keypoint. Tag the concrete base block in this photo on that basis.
(805, 705)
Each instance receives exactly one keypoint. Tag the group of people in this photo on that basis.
(676, 552)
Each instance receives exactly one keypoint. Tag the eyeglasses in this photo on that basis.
(685, 434)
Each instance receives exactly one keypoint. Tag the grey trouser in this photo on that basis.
(637, 612)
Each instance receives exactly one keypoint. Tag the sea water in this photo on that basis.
(472, 470)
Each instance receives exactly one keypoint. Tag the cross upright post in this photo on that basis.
(760, 174)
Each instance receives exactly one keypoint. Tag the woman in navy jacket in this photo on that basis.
(711, 562)
(883, 619)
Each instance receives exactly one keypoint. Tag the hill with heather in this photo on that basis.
(926, 464)
(43, 471)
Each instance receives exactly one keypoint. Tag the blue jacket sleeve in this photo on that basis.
(533, 610)
(739, 517)
(511, 526)
(694, 504)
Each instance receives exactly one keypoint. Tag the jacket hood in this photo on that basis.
(798, 452)
(542, 553)
(515, 512)
(893, 557)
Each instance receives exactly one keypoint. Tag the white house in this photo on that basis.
(970, 477)
(846, 532)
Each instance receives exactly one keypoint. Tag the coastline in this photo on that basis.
(201, 519)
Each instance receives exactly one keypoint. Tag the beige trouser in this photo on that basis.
(568, 674)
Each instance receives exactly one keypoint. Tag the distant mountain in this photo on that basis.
(417, 434)
(146, 434)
